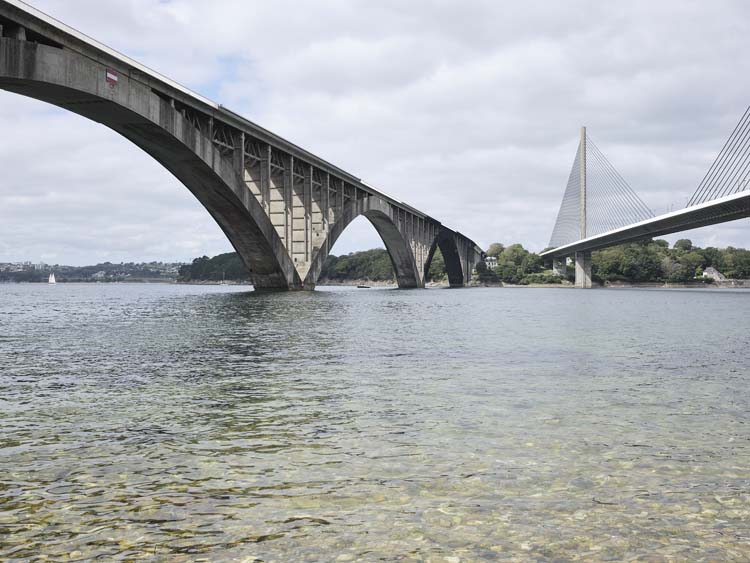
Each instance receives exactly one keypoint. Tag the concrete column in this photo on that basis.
(238, 155)
(583, 269)
(265, 177)
(326, 195)
(560, 266)
(339, 199)
(288, 187)
(18, 33)
(307, 202)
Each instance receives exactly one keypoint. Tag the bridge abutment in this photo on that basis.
(583, 269)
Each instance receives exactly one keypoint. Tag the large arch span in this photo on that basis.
(280, 207)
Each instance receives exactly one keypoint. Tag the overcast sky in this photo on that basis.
(469, 111)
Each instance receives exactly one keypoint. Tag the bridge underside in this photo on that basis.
(281, 208)
(722, 210)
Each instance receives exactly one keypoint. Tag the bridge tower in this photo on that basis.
(582, 258)
(597, 200)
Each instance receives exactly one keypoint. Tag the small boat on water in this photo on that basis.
(52, 279)
(363, 287)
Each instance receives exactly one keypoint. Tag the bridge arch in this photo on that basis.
(379, 213)
(451, 257)
(281, 207)
(459, 257)
(155, 125)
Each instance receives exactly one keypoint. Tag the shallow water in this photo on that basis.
(188, 423)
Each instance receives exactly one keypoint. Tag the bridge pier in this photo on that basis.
(583, 269)
(560, 266)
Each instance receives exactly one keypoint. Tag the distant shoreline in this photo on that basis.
(727, 284)
(105, 282)
(378, 283)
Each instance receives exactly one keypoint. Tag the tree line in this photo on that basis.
(373, 265)
(515, 265)
(637, 262)
(367, 265)
(227, 266)
(105, 271)
(654, 261)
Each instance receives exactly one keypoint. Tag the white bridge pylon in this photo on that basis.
(597, 200)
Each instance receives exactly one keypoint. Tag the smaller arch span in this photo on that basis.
(454, 268)
(380, 214)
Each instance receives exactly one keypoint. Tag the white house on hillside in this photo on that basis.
(714, 274)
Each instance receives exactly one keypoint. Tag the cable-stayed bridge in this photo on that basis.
(599, 208)
(281, 207)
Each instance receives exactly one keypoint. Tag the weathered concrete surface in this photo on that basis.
(281, 207)
(583, 270)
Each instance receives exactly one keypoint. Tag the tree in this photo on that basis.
(684, 245)
(495, 249)
(515, 263)
(637, 261)
(373, 265)
(515, 253)
(227, 266)
(691, 262)
(437, 269)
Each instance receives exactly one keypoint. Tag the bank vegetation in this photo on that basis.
(649, 261)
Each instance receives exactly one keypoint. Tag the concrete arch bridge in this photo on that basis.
(281, 207)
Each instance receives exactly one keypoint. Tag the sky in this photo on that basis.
(467, 110)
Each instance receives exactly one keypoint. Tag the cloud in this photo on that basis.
(467, 111)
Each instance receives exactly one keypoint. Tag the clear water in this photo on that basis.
(189, 423)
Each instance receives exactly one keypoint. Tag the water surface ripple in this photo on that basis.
(188, 423)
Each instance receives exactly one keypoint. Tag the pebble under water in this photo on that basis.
(210, 423)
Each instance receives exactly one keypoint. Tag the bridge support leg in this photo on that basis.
(583, 270)
(559, 266)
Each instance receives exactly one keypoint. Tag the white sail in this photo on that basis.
(52, 279)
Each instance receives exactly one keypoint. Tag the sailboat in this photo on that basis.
(52, 279)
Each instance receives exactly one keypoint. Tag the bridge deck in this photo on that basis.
(57, 32)
(729, 208)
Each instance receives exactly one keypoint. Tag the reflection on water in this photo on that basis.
(177, 423)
